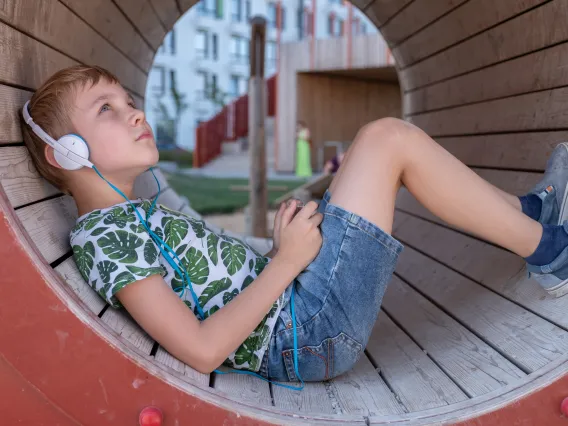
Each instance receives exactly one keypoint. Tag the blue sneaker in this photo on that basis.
(553, 191)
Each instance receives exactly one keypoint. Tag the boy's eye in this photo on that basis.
(104, 108)
(132, 104)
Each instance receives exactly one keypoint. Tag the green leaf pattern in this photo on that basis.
(112, 249)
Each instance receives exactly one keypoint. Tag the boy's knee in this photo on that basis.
(382, 132)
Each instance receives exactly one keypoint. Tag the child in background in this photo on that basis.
(303, 151)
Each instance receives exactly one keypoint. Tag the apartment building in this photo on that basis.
(203, 62)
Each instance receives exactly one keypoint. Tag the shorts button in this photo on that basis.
(289, 325)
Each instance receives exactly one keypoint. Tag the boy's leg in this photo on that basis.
(391, 152)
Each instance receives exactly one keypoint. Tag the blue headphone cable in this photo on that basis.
(166, 250)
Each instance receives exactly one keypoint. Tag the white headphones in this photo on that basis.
(71, 151)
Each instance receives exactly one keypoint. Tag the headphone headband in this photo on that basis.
(52, 142)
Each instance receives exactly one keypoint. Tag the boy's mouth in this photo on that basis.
(144, 135)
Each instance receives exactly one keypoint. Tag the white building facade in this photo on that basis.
(205, 58)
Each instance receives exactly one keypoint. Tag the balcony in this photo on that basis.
(239, 64)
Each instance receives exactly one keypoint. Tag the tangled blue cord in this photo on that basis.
(166, 250)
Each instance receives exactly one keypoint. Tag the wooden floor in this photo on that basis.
(458, 321)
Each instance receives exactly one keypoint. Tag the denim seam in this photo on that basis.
(394, 251)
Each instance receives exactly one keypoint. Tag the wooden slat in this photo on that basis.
(55, 25)
(244, 387)
(525, 151)
(20, 179)
(123, 324)
(192, 375)
(112, 25)
(312, 399)
(417, 381)
(524, 338)
(492, 46)
(16, 49)
(186, 4)
(471, 18)
(142, 14)
(380, 11)
(48, 223)
(467, 359)
(69, 272)
(167, 11)
(11, 100)
(415, 17)
(495, 82)
(534, 111)
(497, 269)
(362, 391)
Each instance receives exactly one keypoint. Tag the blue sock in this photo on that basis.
(554, 240)
(531, 205)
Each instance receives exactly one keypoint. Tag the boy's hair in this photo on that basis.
(50, 107)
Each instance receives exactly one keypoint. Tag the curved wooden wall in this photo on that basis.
(486, 78)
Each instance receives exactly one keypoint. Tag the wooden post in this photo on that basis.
(258, 202)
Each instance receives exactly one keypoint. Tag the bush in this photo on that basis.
(182, 157)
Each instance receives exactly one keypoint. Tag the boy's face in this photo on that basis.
(119, 138)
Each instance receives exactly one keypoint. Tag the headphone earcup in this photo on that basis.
(77, 145)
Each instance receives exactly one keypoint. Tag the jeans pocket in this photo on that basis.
(329, 359)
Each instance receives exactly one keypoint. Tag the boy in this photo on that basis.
(337, 258)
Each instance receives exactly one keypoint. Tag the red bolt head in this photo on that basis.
(564, 406)
(151, 416)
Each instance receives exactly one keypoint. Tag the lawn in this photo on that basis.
(211, 195)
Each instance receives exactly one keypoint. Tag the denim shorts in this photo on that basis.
(337, 299)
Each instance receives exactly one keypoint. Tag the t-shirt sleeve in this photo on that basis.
(111, 259)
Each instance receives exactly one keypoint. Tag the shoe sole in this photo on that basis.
(563, 208)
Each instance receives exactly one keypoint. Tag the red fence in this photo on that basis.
(229, 124)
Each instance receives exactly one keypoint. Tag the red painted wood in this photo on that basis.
(58, 361)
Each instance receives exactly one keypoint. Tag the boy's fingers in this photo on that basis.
(308, 210)
(288, 214)
(278, 217)
(316, 219)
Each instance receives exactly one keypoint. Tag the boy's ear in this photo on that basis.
(50, 156)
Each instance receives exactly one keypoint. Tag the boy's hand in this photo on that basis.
(300, 238)
(277, 224)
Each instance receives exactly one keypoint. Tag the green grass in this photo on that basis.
(211, 195)
(182, 157)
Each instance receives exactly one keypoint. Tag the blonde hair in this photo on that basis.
(50, 107)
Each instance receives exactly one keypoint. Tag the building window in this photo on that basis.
(363, 28)
(215, 48)
(271, 15)
(173, 82)
(212, 8)
(248, 9)
(236, 85)
(202, 43)
(236, 13)
(239, 49)
(339, 30)
(201, 83)
(270, 54)
(330, 24)
(159, 88)
(173, 41)
(282, 17)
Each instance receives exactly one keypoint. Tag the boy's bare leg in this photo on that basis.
(391, 152)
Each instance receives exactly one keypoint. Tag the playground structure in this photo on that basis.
(463, 339)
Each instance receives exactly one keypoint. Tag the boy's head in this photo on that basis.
(89, 101)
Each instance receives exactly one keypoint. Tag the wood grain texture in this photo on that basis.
(244, 387)
(55, 25)
(464, 357)
(495, 268)
(167, 11)
(492, 46)
(11, 100)
(312, 399)
(114, 26)
(494, 82)
(48, 223)
(417, 381)
(186, 4)
(465, 21)
(416, 17)
(71, 275)
(191, 375)
(380, 11)
(122, 323)
(20, 179)
(142, 15)
(527, 340)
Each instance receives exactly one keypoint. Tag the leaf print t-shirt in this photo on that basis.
(112, 249)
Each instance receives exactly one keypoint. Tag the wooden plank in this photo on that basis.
(492, 46)
(494, 82)
(167, 11)
(534, 111)
(495, 268)
(122, 323)
(113, 25)
(467, 359)
(11, 100)
(362, 391)
(48, 224)
(529, 341)
(186, 4)
(471, 18)
(142, 14)
(72, 36)
(525, 151)
(193, 376)
(380, 11)
(416, 17)
(245, 387)
(71, 275)
(20, 179)
(16, 49)
(417, 381)
(312, 399)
